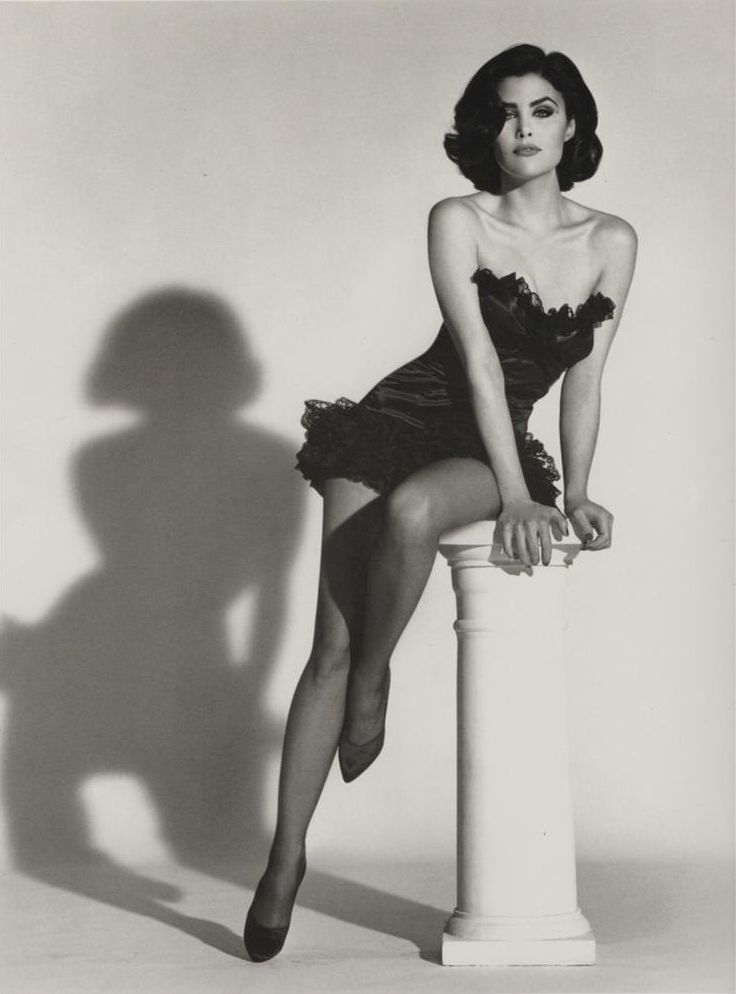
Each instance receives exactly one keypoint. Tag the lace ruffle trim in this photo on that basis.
(588, 314)
(346, 440)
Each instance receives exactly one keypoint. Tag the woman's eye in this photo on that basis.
(539, 112)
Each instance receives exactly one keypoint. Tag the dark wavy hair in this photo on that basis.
(479, 117)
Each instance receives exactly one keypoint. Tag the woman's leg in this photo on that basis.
(443, 495)
(350, 519)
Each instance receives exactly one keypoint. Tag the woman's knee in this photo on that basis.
(409, 514)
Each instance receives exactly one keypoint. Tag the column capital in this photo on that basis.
(472, 545)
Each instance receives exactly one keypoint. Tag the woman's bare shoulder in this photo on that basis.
(608, 231)
(616, 245)
(613, 244)
(459, 207)
(610, 240)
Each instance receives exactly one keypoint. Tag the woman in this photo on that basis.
(442, 441)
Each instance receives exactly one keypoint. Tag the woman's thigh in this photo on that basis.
(351, 516)
(445, 494)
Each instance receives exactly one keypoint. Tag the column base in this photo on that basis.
(545, 940)
(577, 951)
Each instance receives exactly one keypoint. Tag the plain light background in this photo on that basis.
(282, 158)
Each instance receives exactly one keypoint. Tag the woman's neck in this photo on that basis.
(536, 208)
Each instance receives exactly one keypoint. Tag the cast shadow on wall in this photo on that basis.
(131, 671)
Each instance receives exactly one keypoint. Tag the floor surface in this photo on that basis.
(369, 927)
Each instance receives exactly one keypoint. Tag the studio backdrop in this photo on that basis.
(212, 212)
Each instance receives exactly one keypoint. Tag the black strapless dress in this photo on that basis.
(422, 412)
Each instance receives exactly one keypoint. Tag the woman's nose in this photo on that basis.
(523, 130)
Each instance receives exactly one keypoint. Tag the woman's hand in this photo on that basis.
(523, 527)
(587, 518)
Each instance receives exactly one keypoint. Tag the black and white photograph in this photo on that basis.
(367, 452)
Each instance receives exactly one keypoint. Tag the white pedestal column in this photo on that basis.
(516, 887)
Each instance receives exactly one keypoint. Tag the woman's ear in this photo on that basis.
(570, 129)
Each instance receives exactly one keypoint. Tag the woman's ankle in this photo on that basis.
(286, 857)
(367, 684)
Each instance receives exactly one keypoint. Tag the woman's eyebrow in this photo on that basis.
(532, 103)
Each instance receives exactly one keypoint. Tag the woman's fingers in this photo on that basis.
(527, 534)
(508, 539)
(582, 526)
(545, 541)
(558, 524)
(520, 542)
(532, 542)
(498, 534)
(587, 523)
(503, 535)
(603, 523)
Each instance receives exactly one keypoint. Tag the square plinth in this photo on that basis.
(579, 951)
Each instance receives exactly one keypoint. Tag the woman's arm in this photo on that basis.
(580, 399)
(453, 258)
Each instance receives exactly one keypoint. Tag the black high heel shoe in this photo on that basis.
(355, 759)
(261, 941)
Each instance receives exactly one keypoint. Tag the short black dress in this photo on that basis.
(422, 412)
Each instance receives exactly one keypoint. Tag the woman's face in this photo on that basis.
(536, 127)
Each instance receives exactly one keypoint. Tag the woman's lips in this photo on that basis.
(526, 151)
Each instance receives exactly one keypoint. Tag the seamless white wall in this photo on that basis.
(275, 163)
